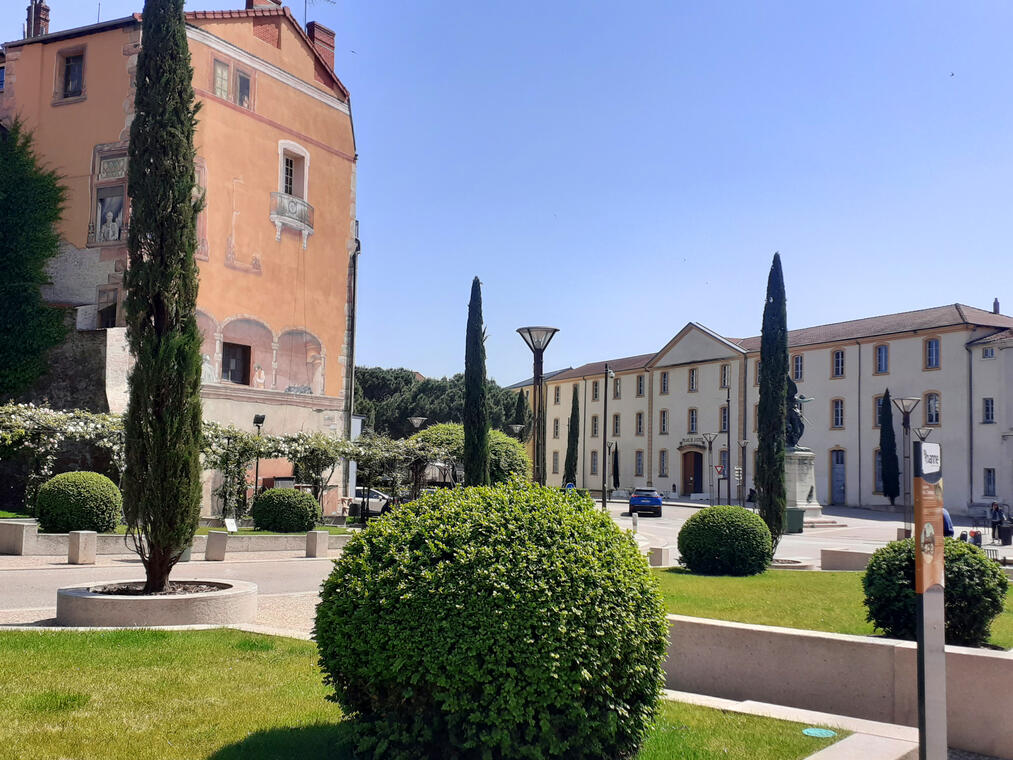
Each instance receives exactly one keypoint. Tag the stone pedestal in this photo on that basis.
(81, 547)
(660, 556)
(215, 549)
(800, 481)
(316, 543)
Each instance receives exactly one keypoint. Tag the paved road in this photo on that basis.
(32, 588)
(35, 587)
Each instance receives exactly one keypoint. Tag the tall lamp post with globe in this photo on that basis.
(538, 339)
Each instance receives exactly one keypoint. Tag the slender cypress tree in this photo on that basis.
(888, 465)
(161, 480)
(522, 416)
(572, 441)
(770, 487)
(31, 202)
(476, 416)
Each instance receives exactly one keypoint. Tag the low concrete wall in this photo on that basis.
(23, 537)
(844, 559)
(858, 676)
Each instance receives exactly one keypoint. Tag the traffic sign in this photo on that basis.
(719, 469)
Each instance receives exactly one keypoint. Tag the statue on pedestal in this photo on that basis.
(794, 423)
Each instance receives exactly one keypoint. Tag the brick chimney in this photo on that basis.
(38, 19)
(323, 40)
(251, 4)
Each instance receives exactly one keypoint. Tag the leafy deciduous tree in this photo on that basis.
(31, 202)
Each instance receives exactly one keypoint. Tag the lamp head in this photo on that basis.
(906, 405)
(709, 437)
(416, 421)
(923, 432)
(537, 338)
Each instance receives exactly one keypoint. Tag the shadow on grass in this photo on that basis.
(324, 740)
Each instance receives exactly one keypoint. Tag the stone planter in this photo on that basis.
(236, 602)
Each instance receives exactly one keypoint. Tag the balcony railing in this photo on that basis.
(290, 211)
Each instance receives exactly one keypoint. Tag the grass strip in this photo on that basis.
(229, 695)
(818, 601)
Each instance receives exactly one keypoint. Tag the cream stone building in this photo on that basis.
(956, 360)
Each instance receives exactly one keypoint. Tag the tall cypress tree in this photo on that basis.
(572, 441)
(31, 201)
(522, 416)
(770, 487)
(476, 416)
(161, 480)
(889, 467)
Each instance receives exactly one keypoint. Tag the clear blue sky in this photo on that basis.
(618, 169)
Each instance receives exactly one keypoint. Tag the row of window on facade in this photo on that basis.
(932, 416)
(931, 361)
(988, 474)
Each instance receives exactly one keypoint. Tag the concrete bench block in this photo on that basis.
(661, 556)
(217, 542)
(18, 536)
(82, 547)
(317, 543)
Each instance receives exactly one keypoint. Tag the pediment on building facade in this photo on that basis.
(695, 343)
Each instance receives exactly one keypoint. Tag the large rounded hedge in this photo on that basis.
(510, 621)
(285, 510)
(975, 589)
(725, 540)
(78, 501)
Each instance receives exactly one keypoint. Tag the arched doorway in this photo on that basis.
(692, 472)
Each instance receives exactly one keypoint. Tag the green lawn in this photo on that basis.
(227, 695)
(5, 515)
(820, 601)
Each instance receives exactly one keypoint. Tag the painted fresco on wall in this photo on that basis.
(256, 335)
(300, 363)
(208, 349)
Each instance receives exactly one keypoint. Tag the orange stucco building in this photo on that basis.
(278, 236)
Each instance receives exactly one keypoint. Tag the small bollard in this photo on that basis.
(635, 520)
(661, 556)
(316, 543)
(215, 550)
(81, 547)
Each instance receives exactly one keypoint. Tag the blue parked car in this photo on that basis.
(645, 500)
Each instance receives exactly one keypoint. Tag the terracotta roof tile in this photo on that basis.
(598, 368)
(922, 319)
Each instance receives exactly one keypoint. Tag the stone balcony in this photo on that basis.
(290, 211)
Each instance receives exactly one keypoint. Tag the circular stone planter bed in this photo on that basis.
(120, 604)
(791, 564)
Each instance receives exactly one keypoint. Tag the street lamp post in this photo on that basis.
(538, 339)
(609, 374)
(742, 486)
(258, 422)
(728, 436)
(905, 406)
(709, 437)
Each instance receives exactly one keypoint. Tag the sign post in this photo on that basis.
(929, 581)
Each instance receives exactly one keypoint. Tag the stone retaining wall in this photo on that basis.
(22, 537)
(858, 676)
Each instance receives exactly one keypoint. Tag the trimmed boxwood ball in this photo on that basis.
(285, 510)
(511, 621)
(725, 540)
(974, 592)
(78, 501)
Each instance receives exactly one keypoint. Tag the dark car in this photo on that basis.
(645, 500)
